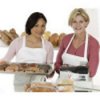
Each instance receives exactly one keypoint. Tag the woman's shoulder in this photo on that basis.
(18, 40)
(93, 40)
(47, 43)
(68, 36)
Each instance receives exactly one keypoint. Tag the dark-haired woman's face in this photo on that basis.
(39, 28)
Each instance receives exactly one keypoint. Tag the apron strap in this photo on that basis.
(24, 41)
(86, 46)
(70, 43)
(43, 44)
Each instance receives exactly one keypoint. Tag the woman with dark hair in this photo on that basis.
(31, 48)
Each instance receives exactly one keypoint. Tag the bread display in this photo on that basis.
(56, 39)
(48, 87)
(5, 38)
(13, 34)
(8, 37)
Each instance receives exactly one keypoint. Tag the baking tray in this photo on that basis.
(37, 69)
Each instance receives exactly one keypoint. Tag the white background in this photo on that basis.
(14, 13)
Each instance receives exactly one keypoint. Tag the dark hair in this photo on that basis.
(32, 20)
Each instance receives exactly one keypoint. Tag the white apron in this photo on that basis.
(73, 60)
(29, 55)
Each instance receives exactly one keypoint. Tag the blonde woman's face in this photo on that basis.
(39, 28)
(79, 24)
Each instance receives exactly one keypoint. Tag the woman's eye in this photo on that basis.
(74, 21)
(36, 25)
(43, 25)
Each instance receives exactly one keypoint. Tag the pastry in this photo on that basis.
(42, 87)
(5, 38)
(12, 68)
(54, 39)
(46, 35)
(61, 37)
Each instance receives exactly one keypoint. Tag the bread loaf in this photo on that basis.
(42, 87)
(5, 38)
(61, 36)
(13, 34)
(54, 39)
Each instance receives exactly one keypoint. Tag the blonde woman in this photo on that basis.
(78, 48)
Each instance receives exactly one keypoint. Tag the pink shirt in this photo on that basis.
(92, 53)
(17, 44)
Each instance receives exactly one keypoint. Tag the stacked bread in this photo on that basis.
(8, 36)
(64, 86)
(40, 87)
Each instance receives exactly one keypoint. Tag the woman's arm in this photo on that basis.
(11, 51)
(59, 62)
(93, 57)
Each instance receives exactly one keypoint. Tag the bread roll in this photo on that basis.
(46, 35)
(42, 84)
(23, 34)
(32, 69)
(54, 39)
(13, 34)
(3, 65)
(12, 68)
(42, 87)
(61, 36)
(5, 38)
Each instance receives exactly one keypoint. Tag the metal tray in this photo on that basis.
(43, 69)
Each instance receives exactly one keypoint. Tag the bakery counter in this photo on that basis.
(7, 85)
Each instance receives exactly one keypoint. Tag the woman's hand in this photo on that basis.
(2, 62)
(64, 67)
(51, 75)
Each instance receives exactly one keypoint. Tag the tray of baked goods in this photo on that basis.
(50, 87)
(33, 68)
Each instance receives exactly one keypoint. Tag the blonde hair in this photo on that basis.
(76, 12)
